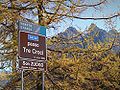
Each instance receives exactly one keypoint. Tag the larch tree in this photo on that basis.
(42, 12)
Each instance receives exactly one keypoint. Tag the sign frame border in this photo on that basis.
(43, 61)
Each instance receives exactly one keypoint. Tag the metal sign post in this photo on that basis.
(43, 80)
(22, 87)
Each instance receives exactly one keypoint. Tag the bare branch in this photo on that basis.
(82, 5)
(22, 8)
(88, 18)
(87, 5)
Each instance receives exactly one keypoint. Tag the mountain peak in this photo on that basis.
(71, 29)
(92, 24)
(69, 32)
(92, 27)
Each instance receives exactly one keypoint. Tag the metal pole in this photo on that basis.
(22, 88)
(43, 80)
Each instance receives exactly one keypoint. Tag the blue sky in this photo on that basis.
(110, 8)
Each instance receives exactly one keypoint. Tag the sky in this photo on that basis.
(110, 8)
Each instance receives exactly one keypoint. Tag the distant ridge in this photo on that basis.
(99, 35)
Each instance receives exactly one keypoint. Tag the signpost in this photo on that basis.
(32, 48)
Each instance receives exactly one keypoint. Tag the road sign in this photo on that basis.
(32, 65)
(30, 27)
(32, 46)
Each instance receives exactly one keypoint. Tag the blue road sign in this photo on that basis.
(42, 30)
(30, 27)
(33, 37)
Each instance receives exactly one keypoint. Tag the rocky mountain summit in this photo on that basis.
(72, 37)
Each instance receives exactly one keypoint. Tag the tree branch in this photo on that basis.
(87, 18)
(84, 5)
(22, 8)
(87, 5)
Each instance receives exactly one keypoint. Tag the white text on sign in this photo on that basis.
(33, 51)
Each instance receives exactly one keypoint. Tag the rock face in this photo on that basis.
(99, 34)
(72, 35)
(69, 32)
